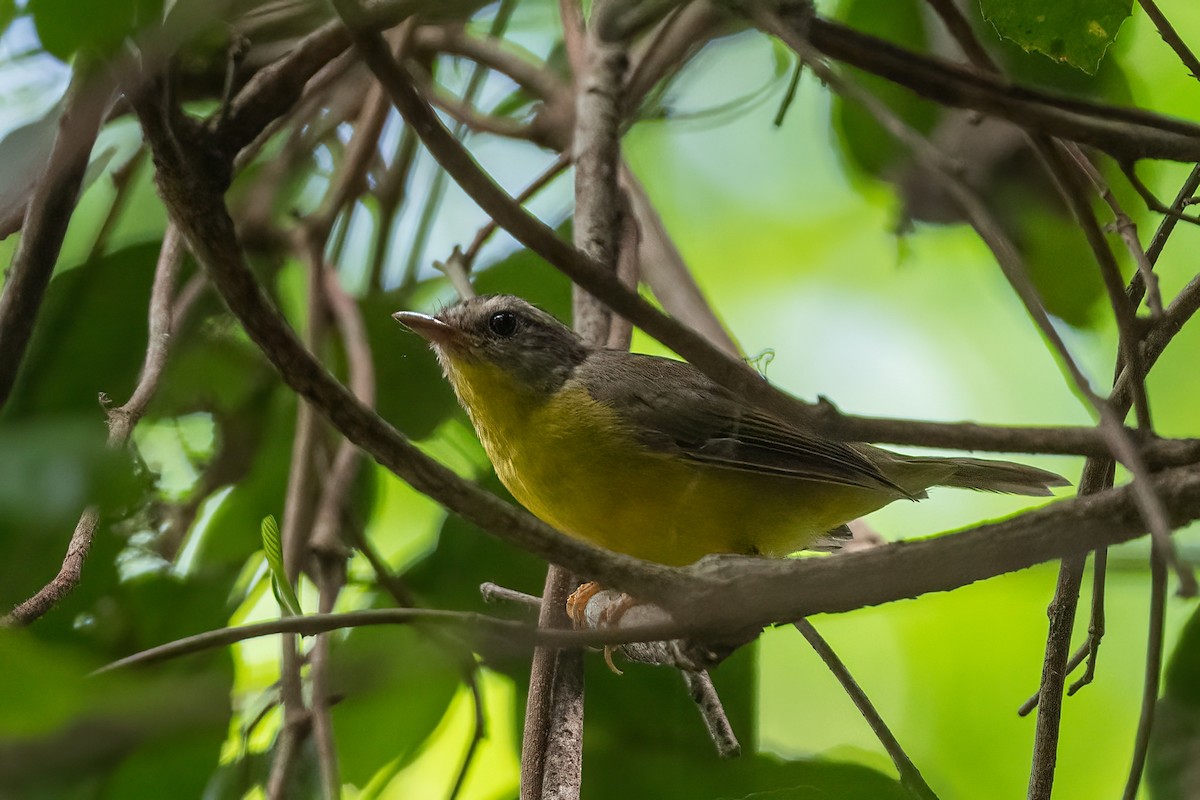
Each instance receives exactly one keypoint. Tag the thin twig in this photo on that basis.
(910, 776)
(433, 196)
(298, 512)
(1154, 653)
(556, 168)
(478, 730)
(495, 593)
(1125, 227)
(494, 54)
(331, 576)
(121, 422)
(1167, 31)
(1050, 692)
(122, 180)
(391, 195)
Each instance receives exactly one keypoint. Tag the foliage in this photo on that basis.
(822, 240)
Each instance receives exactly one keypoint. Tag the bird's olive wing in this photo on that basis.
(673, 407)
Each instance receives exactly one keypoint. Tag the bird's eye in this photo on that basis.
(503, 323)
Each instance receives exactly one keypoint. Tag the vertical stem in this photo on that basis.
(556, 681)
(540, 703)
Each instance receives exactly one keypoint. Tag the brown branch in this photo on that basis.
(331, 576)
(910, 776)
(121, 422)
(551, 172)
(772, 590)
(46, 216)
(880, 575)
(1150, 684)
(68, 577)
(540, 705)
(1128, 134)
(495, 55)
(1050, 693)
(731, 373)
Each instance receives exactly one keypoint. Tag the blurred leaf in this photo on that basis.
(51, 469)
(23, 153)
(396, 685)
(62, 727)
(412, 394)
(1173, 761)
(68, 26)
(637, 755)
(90, 336)
(465, 557)
(864, 143)
(1077, 32)
(8, 12)
(1060, 263)
(528, 275)
(211, 367)
(265, 428)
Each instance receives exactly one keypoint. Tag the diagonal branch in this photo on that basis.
(46, 217)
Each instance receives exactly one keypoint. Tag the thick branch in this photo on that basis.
(1128, 134)
(732, 591)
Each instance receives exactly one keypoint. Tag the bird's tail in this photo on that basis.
(994, 476)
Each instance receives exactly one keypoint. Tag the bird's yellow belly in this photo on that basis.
(571, 463)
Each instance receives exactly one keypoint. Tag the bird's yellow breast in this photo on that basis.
(577, 465)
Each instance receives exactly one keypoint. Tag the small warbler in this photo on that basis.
(648, 456)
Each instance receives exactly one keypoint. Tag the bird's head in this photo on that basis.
(524, 343)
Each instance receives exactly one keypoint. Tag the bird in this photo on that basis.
(647, 456)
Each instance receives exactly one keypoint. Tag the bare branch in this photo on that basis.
(1171, 37)
(1154, 654)
(1128, 134)
(121, 422)
(910, 776)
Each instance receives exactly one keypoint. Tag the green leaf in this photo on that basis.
(8, 12)
(69, 26)
(1077, 32)
(396, 684)
(864, 143)
(1171, 772)
(90, 336)
(273, 548)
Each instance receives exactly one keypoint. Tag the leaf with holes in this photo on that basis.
(1077, 32)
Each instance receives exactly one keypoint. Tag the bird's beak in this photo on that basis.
(429, 328)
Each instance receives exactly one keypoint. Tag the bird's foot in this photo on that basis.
(609, 617)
